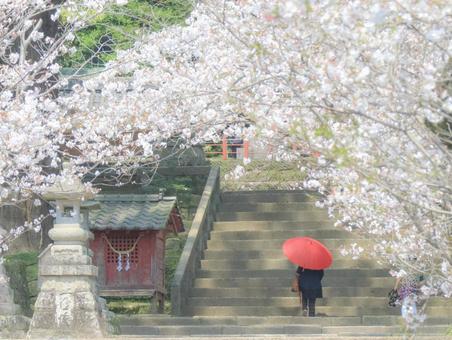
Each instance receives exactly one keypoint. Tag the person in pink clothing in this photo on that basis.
(407, 287)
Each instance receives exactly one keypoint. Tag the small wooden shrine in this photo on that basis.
(129, 243)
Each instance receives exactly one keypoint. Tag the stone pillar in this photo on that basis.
(12, 323)
(68, 304)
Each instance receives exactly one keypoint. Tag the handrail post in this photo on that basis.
(246, 145)
(224, 148)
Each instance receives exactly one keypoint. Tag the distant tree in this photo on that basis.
(119, 27)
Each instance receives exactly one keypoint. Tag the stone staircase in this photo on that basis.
(243, 284)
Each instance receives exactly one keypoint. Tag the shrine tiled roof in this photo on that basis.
(131, 212)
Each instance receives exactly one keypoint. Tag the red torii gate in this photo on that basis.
(230, 142)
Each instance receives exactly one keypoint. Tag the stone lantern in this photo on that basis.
(68, 304)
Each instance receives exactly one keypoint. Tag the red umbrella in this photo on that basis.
(307, 253)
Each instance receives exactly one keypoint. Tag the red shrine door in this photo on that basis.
(128, 259)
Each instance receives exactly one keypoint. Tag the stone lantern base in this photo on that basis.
(67, 304)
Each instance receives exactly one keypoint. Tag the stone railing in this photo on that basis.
(196, 243)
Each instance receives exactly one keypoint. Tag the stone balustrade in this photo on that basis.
(196, 243)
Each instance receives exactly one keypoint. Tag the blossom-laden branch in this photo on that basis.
(362, 83)
(365, 84)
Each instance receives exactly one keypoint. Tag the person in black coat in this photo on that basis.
(310, 285)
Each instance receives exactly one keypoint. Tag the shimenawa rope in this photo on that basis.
(123, 252)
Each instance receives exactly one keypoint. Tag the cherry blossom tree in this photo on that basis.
(48, 117)
(363, 85)
(32, 39)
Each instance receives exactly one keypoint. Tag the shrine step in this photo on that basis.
(165, 320)
(237, 292)
(378, 331)
(291, 330)
(330, 276)
(386, 320)
(261, 266)
(277, 196)
(312, 214)
(249, 282)
(218, 330)
(274, 254)
(274, 244)
(287, 302)
(436, 311)
(153, 320)
(270, 225)
(293, 301)
(279, 234)
(266, 206)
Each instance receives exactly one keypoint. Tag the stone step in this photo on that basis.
(274, 196)
(299, 216)
(250, 282)
(275, 254)
(269, 264)
(152, 319)
(293, 301)
(369, 320)
(330, 274)
(238, 292)
(290, 310)
(435, 311)
(364, 330)
(379, 331)
(276, 244)
(280, 234)
(266, 207)
(215, 330)
(388, 320)
(271, 225)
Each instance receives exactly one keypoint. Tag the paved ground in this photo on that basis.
(282, 337)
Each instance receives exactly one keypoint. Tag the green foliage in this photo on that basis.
(174, 247)
(212, 150)
(257, 46)
(443, 130)
(138, 305)
(22, 270)
(341, 153)
(324, 131)
(449, 331)
(119, 28)
(260, 174)
(114, 322)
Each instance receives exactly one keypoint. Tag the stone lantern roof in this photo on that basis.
(67, 189)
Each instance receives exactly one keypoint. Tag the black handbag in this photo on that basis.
(393, 297)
